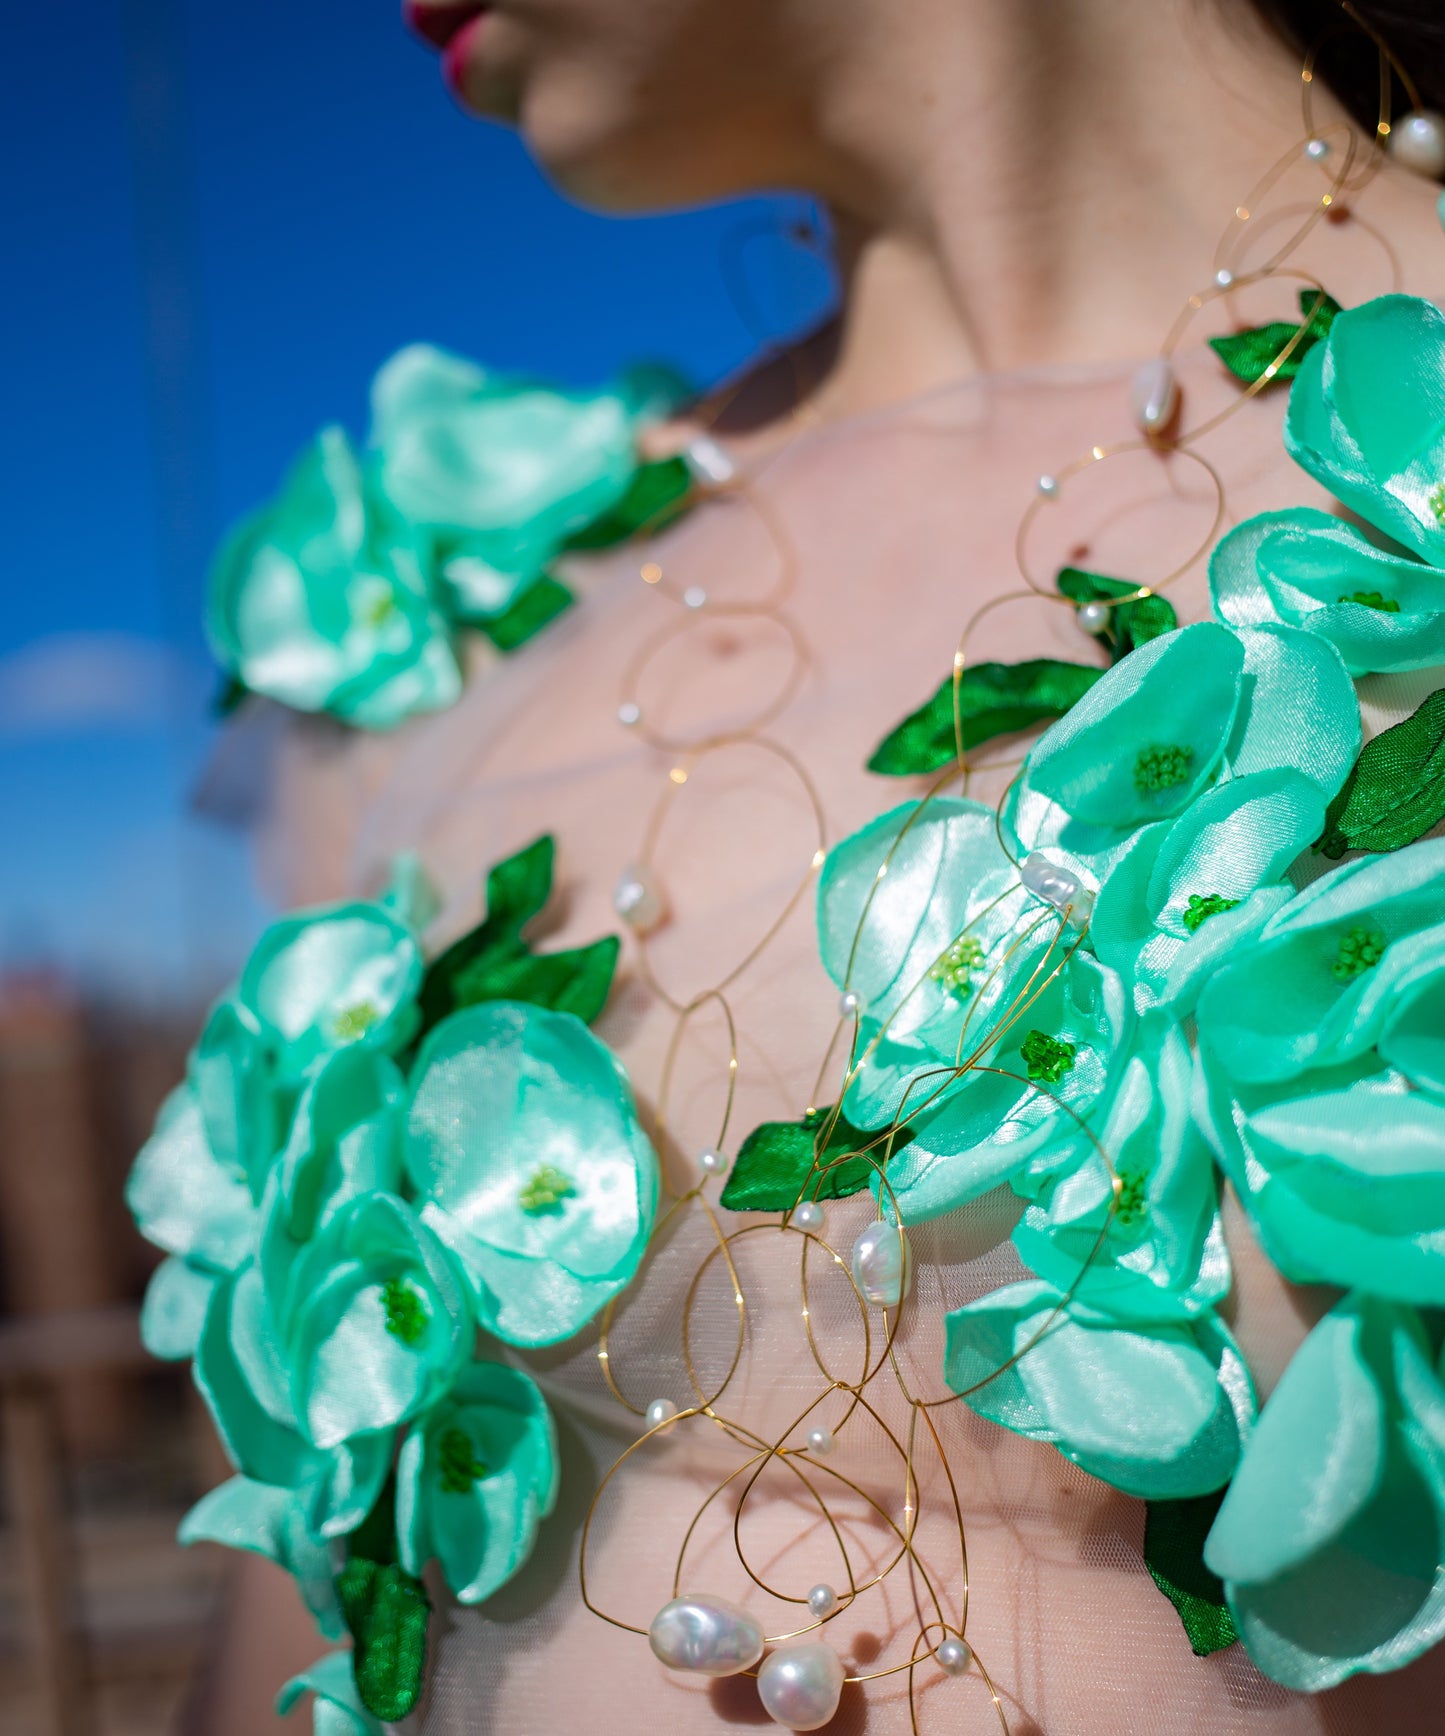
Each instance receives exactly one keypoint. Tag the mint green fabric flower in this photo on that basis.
(321, 600)
(1183, 895)
(325, 979)
(499, 470)
(1157, 1409)
(899, 943)
(1381, 612)
(1367, 418)
(1331, 1540)
(272, 1522)
(1174, 718)
(525, 1146)
(475, 1478)
(338, 1710)
(1163, 1254)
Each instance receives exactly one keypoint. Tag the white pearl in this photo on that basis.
(849, 1005)
(694, 597)
(638, 900)
(1057, 886)
(1094, 617)
(954, 1655)
(709, 463)
(1317, 150)
(705, 1634)
(800, 1685)
(629, 714)
(880, 1265)
(661, 1410)
(820, 1442)
(808, 1216)
(1417, 140)
(822, 1600)
(1224, 277)
(712, 1161)
(1048, 486)
(1154, 395)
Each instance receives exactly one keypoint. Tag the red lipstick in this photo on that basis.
(440, 22)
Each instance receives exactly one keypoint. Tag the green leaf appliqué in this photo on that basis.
(657, 494)
(386, 1612)
(1249, 355)
(1174, 1534)
(1396, 792)
(494, 963)
(776, 1160)
(1131, 624)
(537, 607)
(993, 699)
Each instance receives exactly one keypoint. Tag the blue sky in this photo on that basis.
(219, 219)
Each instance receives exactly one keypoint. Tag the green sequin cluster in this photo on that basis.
(406, 1316)
(1202, 906)
(545, 1191)
(458, 1466)
(1047, 1058)
(954, 970)
(1360, 950)
(1163, 767)
(1373, 600)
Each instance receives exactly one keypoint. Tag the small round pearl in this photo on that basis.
(1048, 486)
(954, 1655)
(1317, 150)
(820, 1442)
(1094, 617)
(849, 1005)
(661, 1410)
(800, 1685)
(709, 462)
(637, 899)
(808, 1216)
(712, 1161)
(1417, 140)
(1154, 395)
(1223, 278)
(706, 1634)
(822, 1600)
(694, 597)
(629, 714)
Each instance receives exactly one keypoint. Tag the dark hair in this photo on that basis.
(1414, 29)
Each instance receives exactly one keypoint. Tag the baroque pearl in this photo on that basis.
(712, 1161)
(709, 462)
(822, 1600)
(1154, 396)
(880, 1265)
(800, 1685)
(808, 1216)
(707, 1635)
(1094, 617)
(1057, 886)
(637, 899)
(820, 1442)
(1417, 140)
(661, 1410)
(954, 1655)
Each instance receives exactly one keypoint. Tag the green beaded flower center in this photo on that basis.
(1130, 1205)
(1163, 767)
(545, 1191)
(353, 1023)
(1373, 600)
(954, 969)
(406, 1316)
(1202, 906)
(458, 1466)
(1047, 1058)
(1436, 498)
(378, 610)
(1360, 950)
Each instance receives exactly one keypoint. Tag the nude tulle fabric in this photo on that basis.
(904, 524)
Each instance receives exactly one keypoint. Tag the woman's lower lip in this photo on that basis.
(457, 52)
(439, 23)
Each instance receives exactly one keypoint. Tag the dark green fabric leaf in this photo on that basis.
(537, 607)
(1131, 624)
(1174, 1533)
(387, 1612)
(657, 494)
(776, 1159)
(993, 699)
(493, 962)
(1396, 792)
(230, 692)
(1248, 353)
